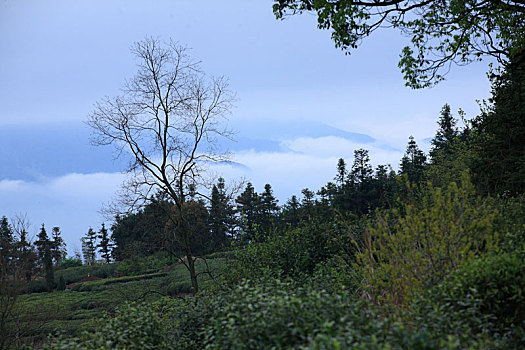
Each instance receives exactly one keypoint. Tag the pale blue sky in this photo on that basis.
(302, 104)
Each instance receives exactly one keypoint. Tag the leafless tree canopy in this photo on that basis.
(168, 119)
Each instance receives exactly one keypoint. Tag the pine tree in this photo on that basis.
(385, 184)
(45, 257)
(248, 209)
(359, 191)
(291, 212)
(26, 256)
(104, 244)
(6, 242)
(89, 247)
(269, 209)
(361, 169)
(42, 243)
(443, 142)
(221, 216)
(413, 162)
(58, 246)
(447, 130)
(452, 150)
(499, 166)
(340, 178)
(308, 203)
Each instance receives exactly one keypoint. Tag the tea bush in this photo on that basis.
(132, 327)
(493, 288)
(292, 253)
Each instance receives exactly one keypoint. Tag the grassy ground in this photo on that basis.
(70, 312)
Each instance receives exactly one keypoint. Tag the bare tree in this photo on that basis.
(169, 119)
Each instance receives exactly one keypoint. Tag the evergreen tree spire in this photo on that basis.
(413, 162)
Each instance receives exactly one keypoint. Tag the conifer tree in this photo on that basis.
(291, 212)
(89, 247)
(104, 246)
(26, 256)
(8, 290)
(41, 243)
(6, 242)
(269, 209)
(58, 246)
(445, 134)
(248, 209)
(45, 256)
(340, 178)
(452, 150)
(361, 169)
(385, 182)
(413, 162)
(221, 216)
(308, 203)
(359, 188)
(499, 166)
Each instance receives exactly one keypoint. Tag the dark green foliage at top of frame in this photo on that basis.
(442, 32)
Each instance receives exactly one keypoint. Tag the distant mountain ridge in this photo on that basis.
(33, 153)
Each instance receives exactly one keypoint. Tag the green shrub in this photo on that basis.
(511, 222)
(139, 265)
(70, 262)
(188, 319)
(133, 327)
(105, 270)
(492, 287)
(293, 253)
(75, 274)
(271, 314)
(61, 285)
(414, 247)
(176, 288)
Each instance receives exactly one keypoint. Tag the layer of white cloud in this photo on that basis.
(338, 147)
(311, 163)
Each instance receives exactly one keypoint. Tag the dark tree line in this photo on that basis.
(253, 216)
(23, 260)
(491, 148)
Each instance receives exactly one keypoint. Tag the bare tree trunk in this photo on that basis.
(193, 274)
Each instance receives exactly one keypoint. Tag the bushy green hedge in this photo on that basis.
(413, 248)
(511, 222)
(101, 284)
(491, 289)
(139, 265)
(272, 314)
(132, 327)
(74, 274)
(292, 253)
